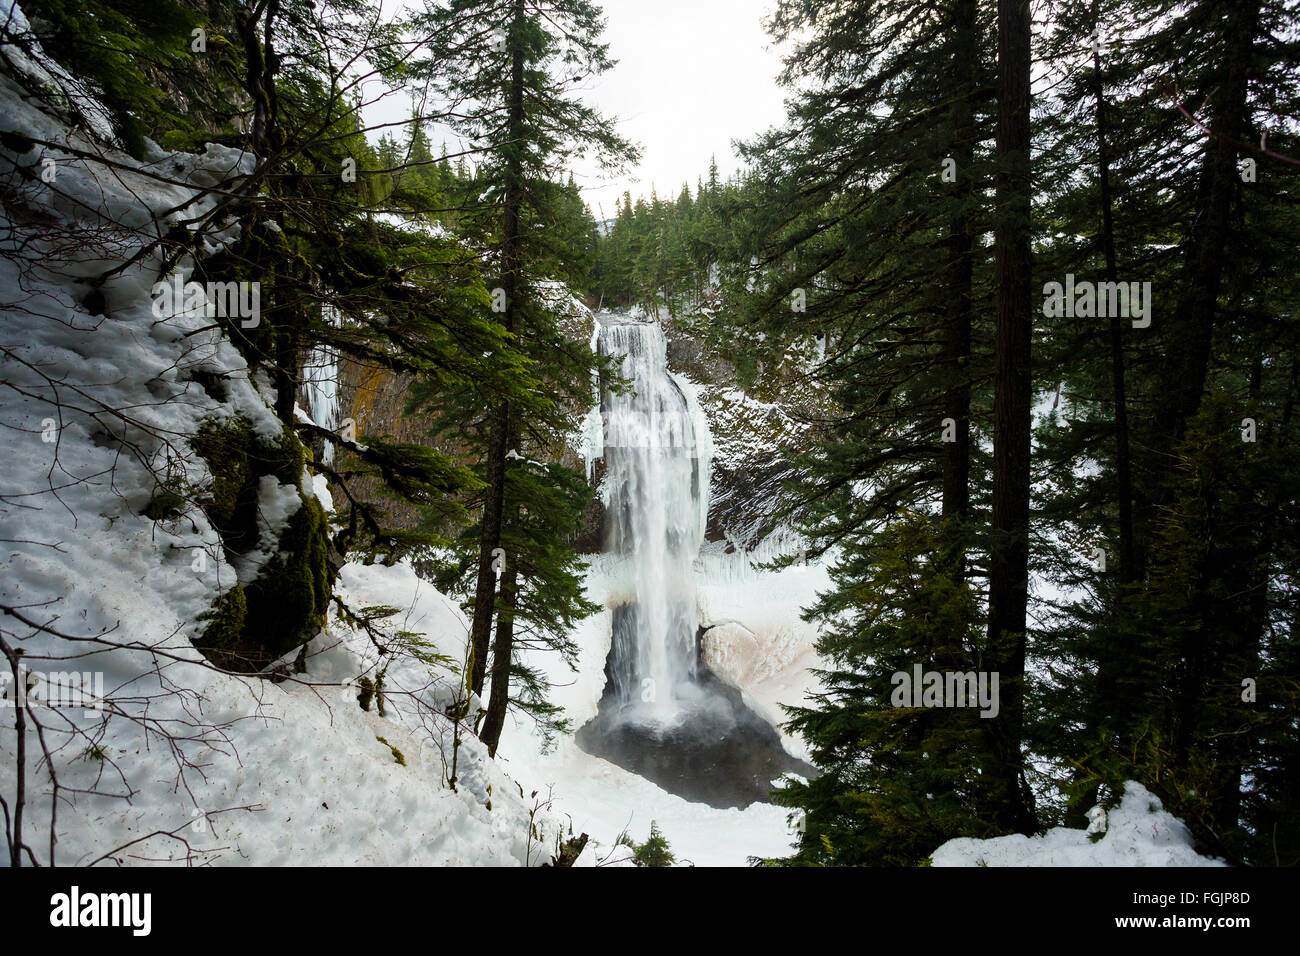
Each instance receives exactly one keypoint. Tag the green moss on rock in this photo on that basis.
(167, 502)
(229, 448)
(288, 600)
(366, 694)
(286, 605)
(225, 622)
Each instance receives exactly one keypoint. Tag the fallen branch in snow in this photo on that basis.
(190, 852)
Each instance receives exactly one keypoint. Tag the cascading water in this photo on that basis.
(320, 382)
(656, 489)
(664, 715)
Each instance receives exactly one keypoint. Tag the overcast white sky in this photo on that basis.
(692, 75)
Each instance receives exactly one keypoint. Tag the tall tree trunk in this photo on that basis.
(254, 79)
(1194, 319)
(502, 655)
(1009, 551)
(266, 141)
(1196, 311)
(1128, 571)
(504, 644)
(490, 526)
(489, 541)
(957, 339)
(287, 341)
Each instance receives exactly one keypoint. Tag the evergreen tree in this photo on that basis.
(512, 65)
(898, 777)
(1008, 634)
(863, 219)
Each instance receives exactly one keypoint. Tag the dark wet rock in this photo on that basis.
(720, 752)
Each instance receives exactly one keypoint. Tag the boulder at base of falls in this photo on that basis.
(718, 751)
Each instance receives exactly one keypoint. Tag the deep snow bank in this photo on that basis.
(1138, 832)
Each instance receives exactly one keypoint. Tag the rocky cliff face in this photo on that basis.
(375, 399)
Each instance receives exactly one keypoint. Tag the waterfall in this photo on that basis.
(664, 714)
(320, 385)
(656, 450)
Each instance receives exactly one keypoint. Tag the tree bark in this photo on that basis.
(502, 657)
(960, 271)
(503, 645)
(489, 541)
(1128, 571)
(266, 141)
(1196, 313)
(1009, 551)
(498, 444)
